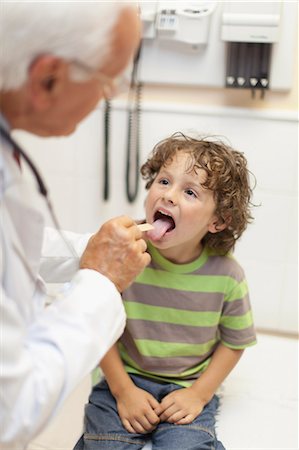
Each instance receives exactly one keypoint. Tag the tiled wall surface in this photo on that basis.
(73, 169)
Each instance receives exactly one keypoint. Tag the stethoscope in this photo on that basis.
(40, 184)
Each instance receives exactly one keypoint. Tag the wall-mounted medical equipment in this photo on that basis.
(235, 44)
(186, 25)
(133, 136)
(249, 36)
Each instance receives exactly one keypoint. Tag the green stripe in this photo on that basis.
(187, 282)
(238, 292)
(195, 369)
(126, 358)
(237, 322)
(151, 313)
(178, 268)
(132, 367)
(239, 347)
(160, 349)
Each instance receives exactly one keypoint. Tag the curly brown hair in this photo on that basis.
(227, 177)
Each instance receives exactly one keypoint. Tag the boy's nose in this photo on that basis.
(170, 197)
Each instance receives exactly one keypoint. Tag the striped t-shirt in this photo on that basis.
(178, 313)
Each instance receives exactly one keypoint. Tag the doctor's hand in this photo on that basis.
(117, 251)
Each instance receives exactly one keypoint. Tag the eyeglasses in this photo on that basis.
(111, 86)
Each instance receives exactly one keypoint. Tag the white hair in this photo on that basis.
(74, 31)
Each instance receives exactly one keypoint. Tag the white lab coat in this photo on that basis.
(45, 351)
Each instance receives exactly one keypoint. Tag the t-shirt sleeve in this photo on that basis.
(236, 323)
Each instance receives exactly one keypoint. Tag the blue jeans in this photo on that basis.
(104, 430)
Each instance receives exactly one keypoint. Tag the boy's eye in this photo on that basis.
(163, 181)
(190, 192)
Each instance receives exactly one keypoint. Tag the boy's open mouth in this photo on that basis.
(167, 218)
(163, 223)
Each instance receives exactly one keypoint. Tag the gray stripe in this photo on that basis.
(222, 266)
(169, 332)
(236, 307)
(238, 337)
(175, 365)
(216, 266)
(170, 298)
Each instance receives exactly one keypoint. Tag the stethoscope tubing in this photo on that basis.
(40, 184)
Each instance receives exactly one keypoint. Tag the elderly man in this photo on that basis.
(57, 61)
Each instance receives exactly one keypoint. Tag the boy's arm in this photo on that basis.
(182, 406)
(135, 406)
(114, 371)
(222, 363)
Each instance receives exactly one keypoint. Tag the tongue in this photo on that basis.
(160, 228)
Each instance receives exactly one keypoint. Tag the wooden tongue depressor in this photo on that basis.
(145, 227)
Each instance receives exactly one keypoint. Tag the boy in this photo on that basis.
(189, 316)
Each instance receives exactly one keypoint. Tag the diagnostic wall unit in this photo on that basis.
(219, 44)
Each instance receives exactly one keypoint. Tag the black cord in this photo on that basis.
(133, 139)
(133, 142)
(106, 148)
(133, 146)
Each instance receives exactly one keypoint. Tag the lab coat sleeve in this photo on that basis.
(58, 264)
(42, 363)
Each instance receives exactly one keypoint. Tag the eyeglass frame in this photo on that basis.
(111, 86)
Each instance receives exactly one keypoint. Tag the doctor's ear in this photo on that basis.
(47, 75)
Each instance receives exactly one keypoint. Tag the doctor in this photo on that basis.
(57, 61)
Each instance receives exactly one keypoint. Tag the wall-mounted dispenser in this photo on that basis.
(182, 25)
(242, 44)
(249, 32)
(188, 25)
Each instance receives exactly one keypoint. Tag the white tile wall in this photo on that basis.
(265, 281)
(73, 170)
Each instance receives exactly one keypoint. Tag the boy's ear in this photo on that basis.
(47, 75)
(215, 226)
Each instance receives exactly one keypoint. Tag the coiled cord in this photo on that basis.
(133, 142)
(107, 110)
(133, 137)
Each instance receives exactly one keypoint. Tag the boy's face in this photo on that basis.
(179, 194)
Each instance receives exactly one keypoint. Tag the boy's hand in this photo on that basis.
(180, 407)
(136, 410)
